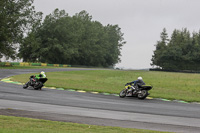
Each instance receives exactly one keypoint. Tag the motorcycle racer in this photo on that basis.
(36, 81)
(41, 75)
(136, 88)
(135, 83)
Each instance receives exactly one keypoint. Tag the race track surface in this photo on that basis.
(97, 109)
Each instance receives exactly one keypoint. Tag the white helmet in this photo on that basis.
(139, 78)
(42, 72)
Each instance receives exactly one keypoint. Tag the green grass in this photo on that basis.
(10, 124)
(179, 86)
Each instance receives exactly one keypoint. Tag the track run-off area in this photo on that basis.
(95, 109)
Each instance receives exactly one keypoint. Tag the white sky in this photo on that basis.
(141, 21)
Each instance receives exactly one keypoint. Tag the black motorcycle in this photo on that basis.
(37, 84)
(141, 91)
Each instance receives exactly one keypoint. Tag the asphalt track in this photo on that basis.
(96, 109)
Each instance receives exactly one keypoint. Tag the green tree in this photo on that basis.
(30, 48)
(75, 40)
(160, 48)
(17, 17)
(59, 36)
(115, 42)
(181, 52)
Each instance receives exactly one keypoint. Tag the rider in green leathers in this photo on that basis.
(41, 75)
(36, 81)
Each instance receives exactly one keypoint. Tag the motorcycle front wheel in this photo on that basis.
(38, 86)
(25, 86)
(122, 94)
(143, 94)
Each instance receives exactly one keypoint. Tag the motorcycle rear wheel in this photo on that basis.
(122, 94)
(143, 94)
(38, 86)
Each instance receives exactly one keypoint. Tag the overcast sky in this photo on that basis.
(141, 21)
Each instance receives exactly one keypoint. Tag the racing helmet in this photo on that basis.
(42, 72)
(139, 78)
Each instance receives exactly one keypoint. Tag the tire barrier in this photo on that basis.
(7, 64)
(35, 64)
(25, 64)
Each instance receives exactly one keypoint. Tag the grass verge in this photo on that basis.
(172, 86)
(11, 124)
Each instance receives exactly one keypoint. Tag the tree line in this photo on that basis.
(16, 18)
(180, 52)
(60, 38)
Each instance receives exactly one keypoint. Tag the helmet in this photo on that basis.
(139, 78)
(42, 72)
